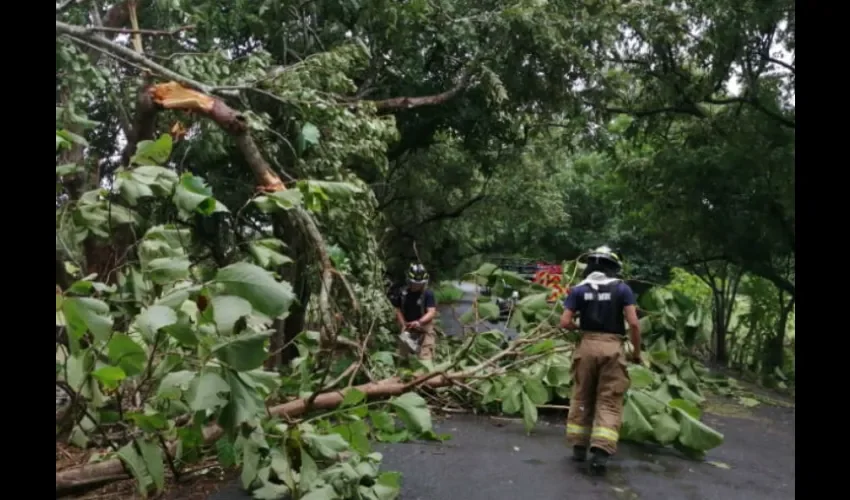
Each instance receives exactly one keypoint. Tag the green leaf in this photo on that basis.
(540, 347)
(153, 152)
(84, 314)
(266, 252)
(641, 377)
(352, 397)
(167, 270)
(485, 270)
(148, 422)
(245, 352)
(536, 391)
(511, 401)
(326, 445)
(695, 435)
(136, 465)
(280, 200)
(207, 391)
(110, 376)
(194, 196)
(154, 462)
(488, 310)
(258, 287)
(382, 420)
(635, 425)
(665, 428)
(309, 471)
(534, 303)
(325, 492)
(245, 405)
(68, 169)
(329, 188)
(250, 463)
(71, 137)
(183, 331)
(387, 486)
(413, 411)
(227, 310)
(558, 375)
(153, 318)
(686, 406)
(647, 403)
(271, 491)
(175, 383)
(309, 136)
(127, 354)
(529, 413)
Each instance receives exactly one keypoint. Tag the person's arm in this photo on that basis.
(570, 306)
(630, 312)
(400, 318)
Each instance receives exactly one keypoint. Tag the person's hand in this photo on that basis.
(414, 324)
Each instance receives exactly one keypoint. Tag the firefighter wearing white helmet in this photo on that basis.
(601, 302)
(415, 311)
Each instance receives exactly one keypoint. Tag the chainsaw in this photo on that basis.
(408, 340)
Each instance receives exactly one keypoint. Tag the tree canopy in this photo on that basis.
(236, 181)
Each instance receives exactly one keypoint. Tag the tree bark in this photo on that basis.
(91, 475)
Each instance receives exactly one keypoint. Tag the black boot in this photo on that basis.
(598, 461)
(579, 453)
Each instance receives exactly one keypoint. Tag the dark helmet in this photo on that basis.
(604, 257)
(417, 275)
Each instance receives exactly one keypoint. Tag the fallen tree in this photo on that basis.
(165, 347)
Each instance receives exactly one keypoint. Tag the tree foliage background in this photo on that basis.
(236, 181)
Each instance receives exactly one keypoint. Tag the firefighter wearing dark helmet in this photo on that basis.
(415, 310)
(602, 302)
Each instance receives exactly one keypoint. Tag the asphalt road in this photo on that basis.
(449, 314)
(493, 459)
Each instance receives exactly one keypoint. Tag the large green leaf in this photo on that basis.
(154, 460)
(127, 354)
(245, 404)
(194, 196)
(167, 270)
(227, 310)
(245, 352)
(640, 377)
(153, 152)
(666, 428)
(488, 310)
(686, 406)
(258, 287)
(413, 411)
(267, 252)
(635, 426)
(536, 391)
(529, 413)
(326, 445)
(695, 435)
(153, 318)
(206, 392)
(84, 314)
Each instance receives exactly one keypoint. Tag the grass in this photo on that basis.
(447, 293)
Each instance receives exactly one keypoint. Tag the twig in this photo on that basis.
(127, 31)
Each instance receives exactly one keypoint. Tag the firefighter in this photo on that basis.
(600, 378)
(415, 309)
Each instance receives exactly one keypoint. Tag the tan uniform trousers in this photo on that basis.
(427, 339)
(600, 379)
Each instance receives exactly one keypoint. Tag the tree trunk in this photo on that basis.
(774, 354)
(295, 273)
